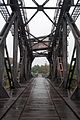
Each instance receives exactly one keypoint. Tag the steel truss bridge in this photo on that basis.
(53, 45)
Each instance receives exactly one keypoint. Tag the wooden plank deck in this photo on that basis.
(40, 102)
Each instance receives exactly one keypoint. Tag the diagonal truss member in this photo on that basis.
(40, 8)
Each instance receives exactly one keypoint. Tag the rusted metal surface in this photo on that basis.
(40, 102)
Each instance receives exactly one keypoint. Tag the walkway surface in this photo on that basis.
(39, 101)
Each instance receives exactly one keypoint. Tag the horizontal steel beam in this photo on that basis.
(33, 40)
(37, 8)
(9, 4)
(40, 37)
(40, 55)
(40, 49)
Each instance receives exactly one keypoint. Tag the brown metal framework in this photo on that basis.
(54, 45)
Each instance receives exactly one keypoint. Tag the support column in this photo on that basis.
(64, 41)
(78, 63)
(26, 62)
(15, 53)
(22, 65)
(52, 73)
(76, 93)
(50, 70)
(3, 93)
(29, 69)
(54, 64)
(22, 73)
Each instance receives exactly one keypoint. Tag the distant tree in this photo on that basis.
(43, 69)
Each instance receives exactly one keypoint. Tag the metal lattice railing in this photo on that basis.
(75, 14)
(57, 13)
(5, 14)
(23, 12)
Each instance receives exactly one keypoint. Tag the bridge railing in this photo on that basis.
(75, 14)
(5, 14)
(57, 13)
(23, 12)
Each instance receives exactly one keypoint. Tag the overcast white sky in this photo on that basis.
(39, 26)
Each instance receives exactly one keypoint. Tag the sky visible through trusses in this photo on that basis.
(39, 26)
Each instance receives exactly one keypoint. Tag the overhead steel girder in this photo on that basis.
(41, 37)
(40, 8)
(36, 39)
(42, 4)
(7, 27)
(40, 55)
(73, 27)
(40, 49)
(33, 41)
(37, 43)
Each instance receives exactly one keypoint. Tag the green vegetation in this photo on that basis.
(43, 69)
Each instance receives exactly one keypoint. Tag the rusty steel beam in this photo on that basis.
(40, 49)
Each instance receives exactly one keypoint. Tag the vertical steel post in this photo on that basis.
(76, 93)
(50, 70)
(26, 60)
(78, 62)
(1, 63)
(15, 53)
(54, 64)
(3, 93)
(64, 40)
(28, 68)
(22, 74)
(52, 67)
